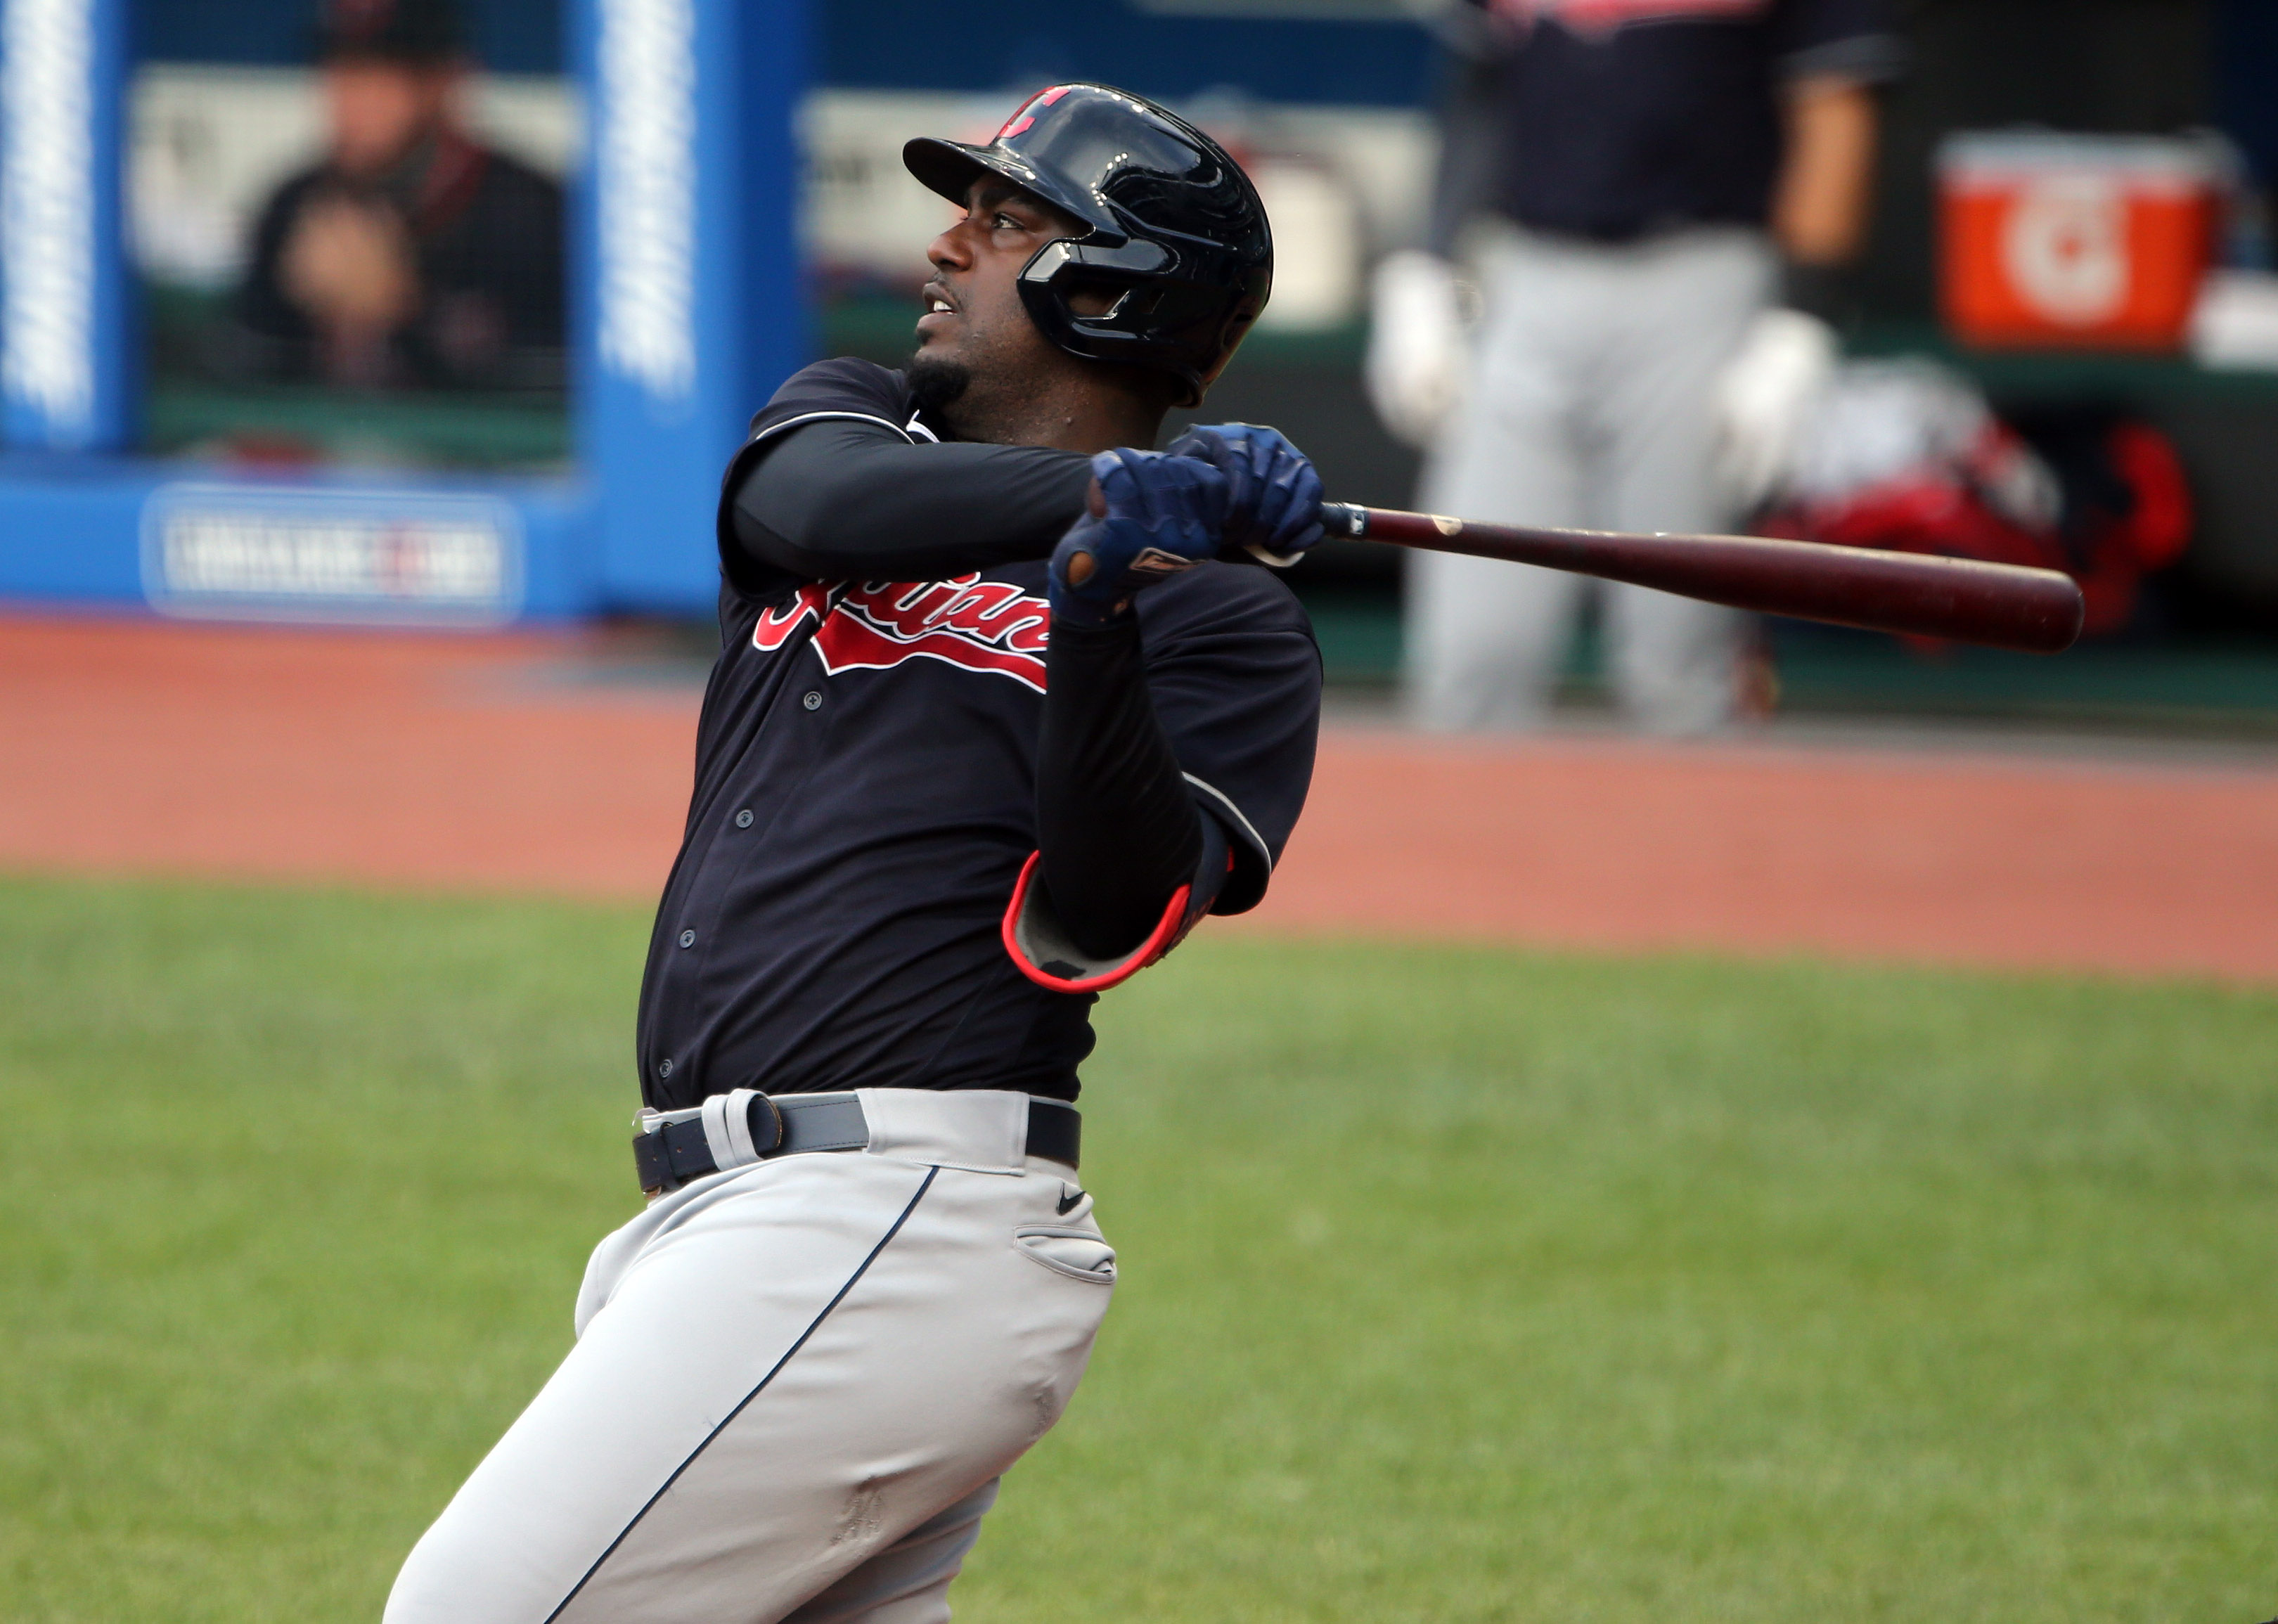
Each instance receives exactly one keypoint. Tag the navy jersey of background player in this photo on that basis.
(865, 800)
(1615, 119)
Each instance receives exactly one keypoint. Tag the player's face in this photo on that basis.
(974, 318)
(379, 109)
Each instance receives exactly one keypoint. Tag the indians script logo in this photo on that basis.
(981, 625)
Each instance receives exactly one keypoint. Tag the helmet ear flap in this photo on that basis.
(1045, 284)
(1161, 316)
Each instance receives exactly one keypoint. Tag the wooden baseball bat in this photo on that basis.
(2001, 605)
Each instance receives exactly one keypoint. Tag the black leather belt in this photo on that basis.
(675, 1149)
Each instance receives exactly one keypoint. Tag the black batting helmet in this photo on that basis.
(1176, 232)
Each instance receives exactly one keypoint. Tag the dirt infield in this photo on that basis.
(530, 762)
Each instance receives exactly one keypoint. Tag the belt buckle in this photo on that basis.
(761, 1108)
(656, 1150)
(650, 1154)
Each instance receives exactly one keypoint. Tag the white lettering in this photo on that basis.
(645, 134)
(47, 185)
(216, 553)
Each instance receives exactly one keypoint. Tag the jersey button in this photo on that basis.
(688, 939)
(744, 818)
(814, 700)
(664, 1067)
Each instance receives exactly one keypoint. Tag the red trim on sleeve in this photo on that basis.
(1159, 943)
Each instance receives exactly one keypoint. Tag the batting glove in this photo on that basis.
(1414, 368)
(1764, 398)
(1275, 507)
(1152, 516)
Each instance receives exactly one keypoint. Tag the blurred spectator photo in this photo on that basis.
(410, 255)
(1653, 198)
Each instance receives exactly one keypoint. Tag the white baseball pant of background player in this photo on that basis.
(1590, 402)
(794, 1387)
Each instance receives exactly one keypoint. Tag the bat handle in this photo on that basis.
(1346, 519)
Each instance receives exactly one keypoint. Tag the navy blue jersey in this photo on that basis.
(1615, 118)
(865, 803)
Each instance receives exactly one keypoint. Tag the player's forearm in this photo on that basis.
(1116, 825)
(848, 499)
(1819, 206)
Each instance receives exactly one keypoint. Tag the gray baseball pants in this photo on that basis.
(794, 1387)
(1588, 403)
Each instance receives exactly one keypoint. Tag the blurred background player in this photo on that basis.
(412, 253)
(1637, 183)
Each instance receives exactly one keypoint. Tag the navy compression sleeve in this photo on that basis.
(851, 500)
(1116, 825)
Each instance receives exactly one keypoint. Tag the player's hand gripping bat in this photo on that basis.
(2037, 610)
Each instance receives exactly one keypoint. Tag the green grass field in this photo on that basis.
(1458, 1285)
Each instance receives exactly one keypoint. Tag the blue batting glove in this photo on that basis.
(1156, 516)
(1276, 506)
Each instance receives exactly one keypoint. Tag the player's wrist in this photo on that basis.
(1082, 631)
(1083, 589)
(1072, 614)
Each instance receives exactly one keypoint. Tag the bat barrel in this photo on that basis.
(2000, 605)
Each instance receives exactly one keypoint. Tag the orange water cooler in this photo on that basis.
(2078, 241)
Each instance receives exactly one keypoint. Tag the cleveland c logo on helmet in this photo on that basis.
(1022, 119)
(1176, 236)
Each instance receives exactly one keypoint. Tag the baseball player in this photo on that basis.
(1635, 180)
(992, 726)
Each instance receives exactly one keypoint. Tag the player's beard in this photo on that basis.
(935, 383)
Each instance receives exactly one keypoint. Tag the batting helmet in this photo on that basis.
(1176, 232)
